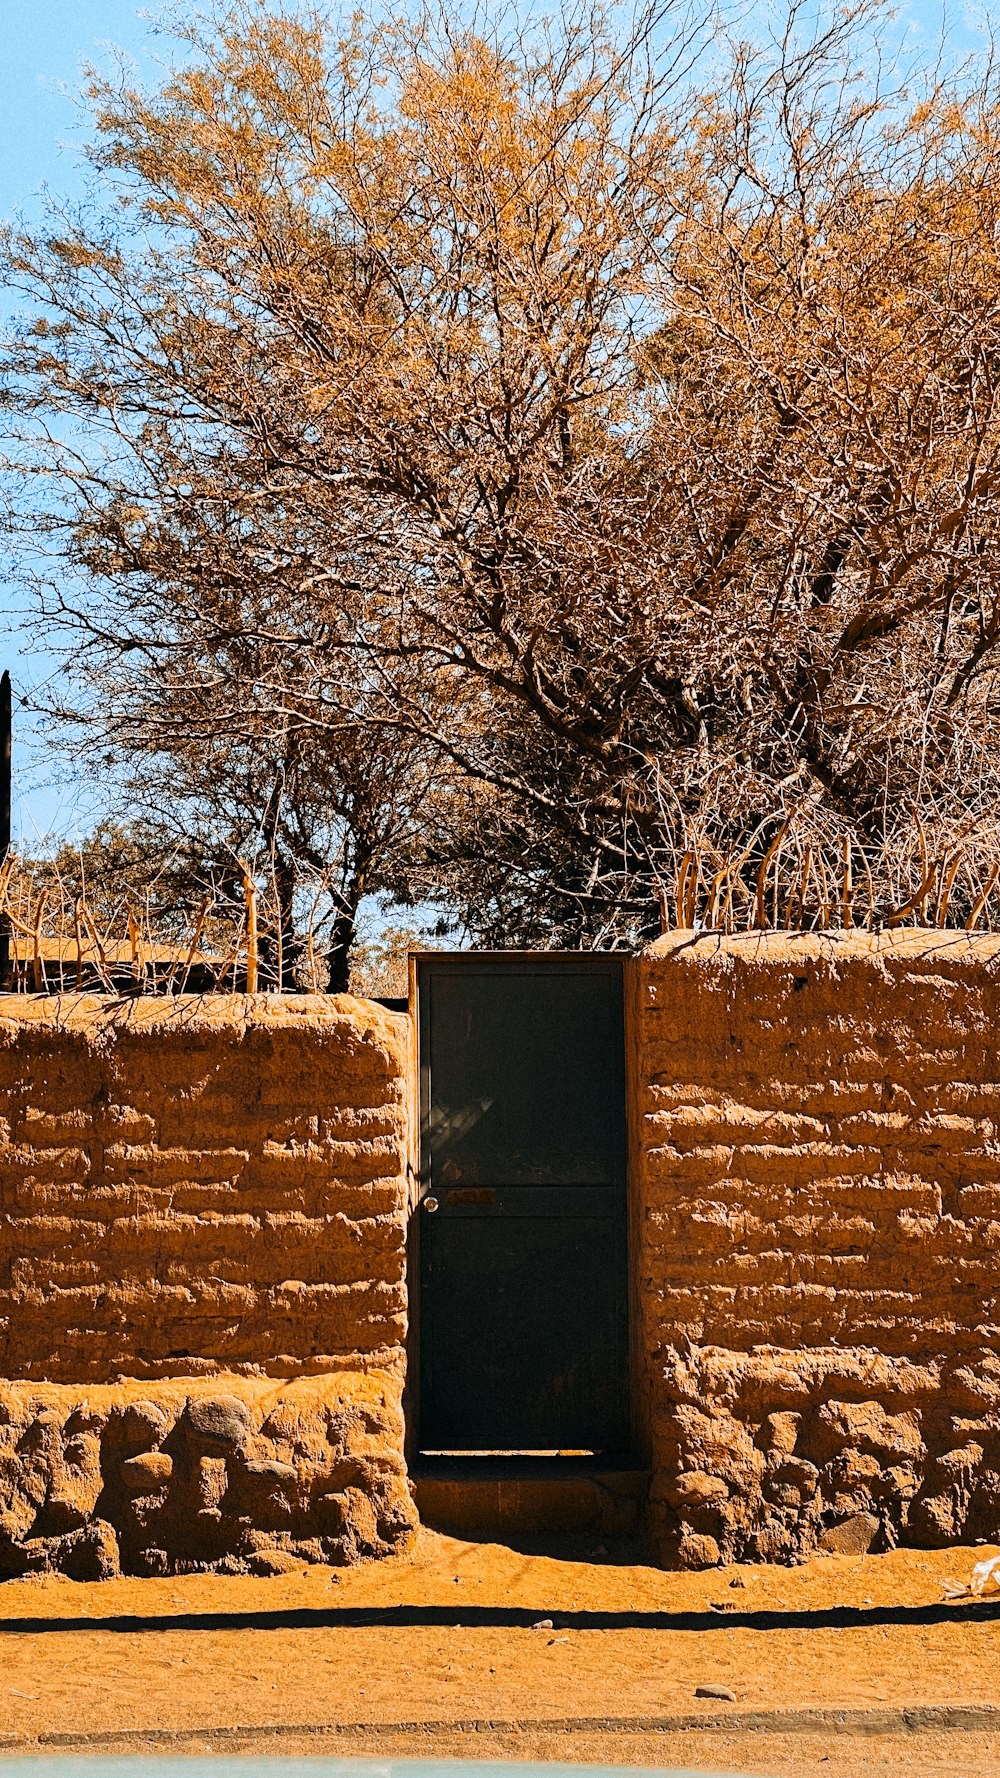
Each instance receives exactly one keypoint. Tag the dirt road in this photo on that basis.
(844, 1666)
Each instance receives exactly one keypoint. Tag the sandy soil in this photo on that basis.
(446, 1636)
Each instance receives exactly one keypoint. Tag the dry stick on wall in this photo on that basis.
(78, 935)
(149, 961)
(6, 870)
(776, 885)
(847, 884)
(728, 914)
(9, 903)
(948, 876)
(95, 939)
(795, 871)
(721, 900)
(711, 911)
(17, 926)
(824, 892)
(921, 905)
(60, 928)
(693, 886)
(795, 905)
(975, 888)
(918, 902)
(27, 903)
(730, 877)
(135, 946)
(815, 877)
(231, 961)
(193, 946)
(37, 971)
(760, 909)
(323, 885)
(20, 927)
(983, 897)
(279, 935)
(680, 899)
(250, 896)
(869, 884)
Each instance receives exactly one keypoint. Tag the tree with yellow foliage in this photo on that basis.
(594, 439)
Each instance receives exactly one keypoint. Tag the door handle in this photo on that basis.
(430, 1205)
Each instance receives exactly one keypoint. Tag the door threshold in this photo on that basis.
(473, 1455)
(505, 1494)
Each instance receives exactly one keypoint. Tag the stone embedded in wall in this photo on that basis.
(230, 1474)
(770, 1455)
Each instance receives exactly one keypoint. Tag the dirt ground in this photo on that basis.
(446, 1653)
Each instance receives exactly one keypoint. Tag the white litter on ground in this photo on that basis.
(985, 1575)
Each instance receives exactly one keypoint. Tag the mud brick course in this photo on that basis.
(202, 1288)
(817, 1173)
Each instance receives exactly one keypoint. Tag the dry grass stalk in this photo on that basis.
(983, 897)
(847, 886)
(37, 972)
(250, 893)
(793, 877)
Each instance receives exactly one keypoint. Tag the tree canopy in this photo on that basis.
(543, 470)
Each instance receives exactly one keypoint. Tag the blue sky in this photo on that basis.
(43, 47)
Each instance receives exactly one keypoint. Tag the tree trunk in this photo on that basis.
(338, 957)
(345, 925)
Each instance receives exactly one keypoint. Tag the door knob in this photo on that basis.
(430, 1205)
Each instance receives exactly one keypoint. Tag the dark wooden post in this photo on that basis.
(5, 785)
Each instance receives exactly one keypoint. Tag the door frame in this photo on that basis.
(636, 1383)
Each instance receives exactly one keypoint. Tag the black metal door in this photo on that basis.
(523, 1314)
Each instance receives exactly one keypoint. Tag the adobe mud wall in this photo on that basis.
(202, 1282)
(203, 1213)
(816, 1126)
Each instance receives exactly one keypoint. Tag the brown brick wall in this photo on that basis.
(202, 1253)
(201, 1202)
(201, 1185)
(818, 1178)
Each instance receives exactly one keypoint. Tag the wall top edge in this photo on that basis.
(907, 944)
(174, 1014)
